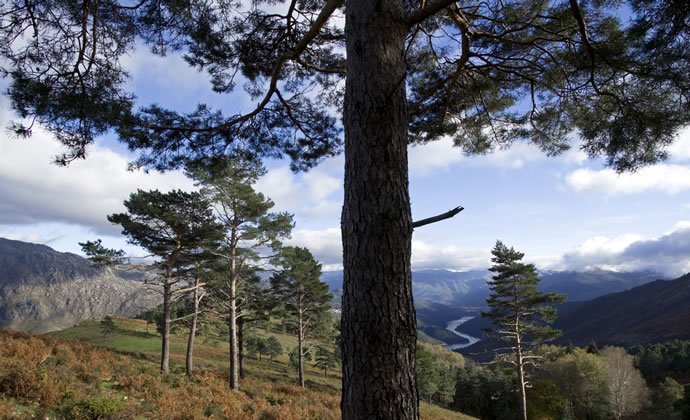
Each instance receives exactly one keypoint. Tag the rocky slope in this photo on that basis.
(44, 290)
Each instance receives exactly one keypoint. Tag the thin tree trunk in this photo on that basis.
(520, 370)
(233, 380)
(165, 331)
(240, 345)
(379, 328)
(300, 348)
(192, 330)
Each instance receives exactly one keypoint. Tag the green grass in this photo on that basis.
(132, 340)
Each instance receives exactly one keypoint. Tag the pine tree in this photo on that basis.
(107, 326)
(325, 360)
(304, 297)
(100, 255)
(521, 315)
(199, 275)
(273, 347)
(175, 227)
(249, 226)
(255, 303)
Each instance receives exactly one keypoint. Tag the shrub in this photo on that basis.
(95, 407)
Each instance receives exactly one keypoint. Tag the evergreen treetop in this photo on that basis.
(100, 255)
(516, 306)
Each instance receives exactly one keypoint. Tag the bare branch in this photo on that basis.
(438, 218)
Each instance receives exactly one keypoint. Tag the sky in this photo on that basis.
(565, 213)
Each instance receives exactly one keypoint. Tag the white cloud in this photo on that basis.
(34, 190)
(668, 178)
(668, 254)
(34, 238)
(435, 156)
(598, 250)
(317, 193)
(514, 157)
(440, 155)
(325, 245)
(426, 255)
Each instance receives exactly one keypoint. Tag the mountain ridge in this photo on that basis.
(44, 290)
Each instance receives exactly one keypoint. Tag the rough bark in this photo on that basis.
(378, 324)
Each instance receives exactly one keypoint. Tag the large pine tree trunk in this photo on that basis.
(165, 332)
(378, 325)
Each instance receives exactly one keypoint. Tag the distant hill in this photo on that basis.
(441, 295)
(586, 285)
(44, 290)
(653, 312)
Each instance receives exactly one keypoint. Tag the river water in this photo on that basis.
(452, 325)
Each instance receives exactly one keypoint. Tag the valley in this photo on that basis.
(43, 290)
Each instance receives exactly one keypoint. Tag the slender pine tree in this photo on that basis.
(305, 298)
(521, 315)
(249, 226)
(175, 227)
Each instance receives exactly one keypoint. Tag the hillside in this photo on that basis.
(586, 285)
(655, 311)
(44, 290)
(650, 313)
(53, 376)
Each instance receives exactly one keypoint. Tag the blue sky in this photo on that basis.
(566, 212)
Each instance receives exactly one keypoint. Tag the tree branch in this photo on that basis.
(293, 54)
(438, 218)
(429, 10)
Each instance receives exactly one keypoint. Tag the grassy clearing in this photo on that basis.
(77, 373)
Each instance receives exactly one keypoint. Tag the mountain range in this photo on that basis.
(602, 305)
(43, 290)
